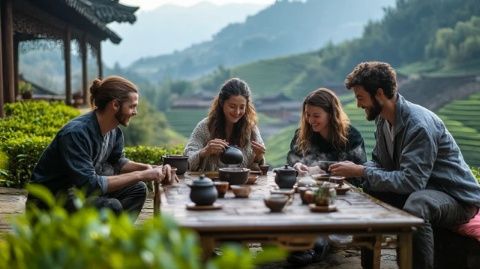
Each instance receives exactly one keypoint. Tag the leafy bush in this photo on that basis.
(23, 154)
(150, 155)
(34, 118)
(100, 239)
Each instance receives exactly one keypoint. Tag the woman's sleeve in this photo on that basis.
(198, 140)
(293, 155)
(356, 150)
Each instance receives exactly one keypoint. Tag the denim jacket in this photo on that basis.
(425, 156)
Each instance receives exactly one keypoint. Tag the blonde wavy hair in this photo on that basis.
(242, 130)
(338, 119)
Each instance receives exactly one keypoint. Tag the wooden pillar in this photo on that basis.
(99, 59)
(83, 52)
(68, 65)
(7, 42)
(2, 113)
(15, 66)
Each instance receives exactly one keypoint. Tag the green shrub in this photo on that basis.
(23, 154)
(100, 239)
(34, 118)
(150, 155)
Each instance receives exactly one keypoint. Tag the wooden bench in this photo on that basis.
(453, 250)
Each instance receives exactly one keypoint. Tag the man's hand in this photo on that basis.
(346, 169)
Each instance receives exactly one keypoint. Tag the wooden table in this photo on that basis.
(248, 219)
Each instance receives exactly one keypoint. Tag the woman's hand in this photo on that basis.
(214, 147)
(301, 168)
(259, 151)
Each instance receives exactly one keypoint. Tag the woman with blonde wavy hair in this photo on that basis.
(232, 120)
(325, 134)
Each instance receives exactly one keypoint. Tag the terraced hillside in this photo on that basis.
(462, 118)
(184, 120)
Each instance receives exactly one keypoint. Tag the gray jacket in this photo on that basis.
(425, 156)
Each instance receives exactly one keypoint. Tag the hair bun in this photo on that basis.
(96, 84)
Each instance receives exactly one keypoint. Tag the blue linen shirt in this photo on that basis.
(71, 158)
(425, 156)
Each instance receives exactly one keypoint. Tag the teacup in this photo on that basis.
(222, 187)
(337, 179)
(241, 191)
(276, 202)
(264, 168)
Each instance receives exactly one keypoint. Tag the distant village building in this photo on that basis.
(61, 20)
(279, 106)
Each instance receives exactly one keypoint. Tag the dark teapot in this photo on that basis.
(232, 155)
(203, 191)
(285, 177)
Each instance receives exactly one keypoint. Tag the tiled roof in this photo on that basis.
(102, 12)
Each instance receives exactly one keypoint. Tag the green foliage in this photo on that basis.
(24, 87)
(25, 132)
(99, 239)
(34, 118)
(476, 173)
(23, 154)
(150, 155)
(459, 44)
(149, 127)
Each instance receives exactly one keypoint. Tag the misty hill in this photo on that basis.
(169, 28)
(286, 27)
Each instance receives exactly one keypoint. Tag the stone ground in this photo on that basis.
(12, 202)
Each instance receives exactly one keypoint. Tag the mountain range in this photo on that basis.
(284, 28)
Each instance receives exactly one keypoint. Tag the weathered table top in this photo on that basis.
(357, 213)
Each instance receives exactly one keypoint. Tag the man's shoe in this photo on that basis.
(301, 257)
(320, 249)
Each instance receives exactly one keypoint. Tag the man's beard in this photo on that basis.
(121, 118)
(374, 111)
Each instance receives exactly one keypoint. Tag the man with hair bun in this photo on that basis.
(87, 153)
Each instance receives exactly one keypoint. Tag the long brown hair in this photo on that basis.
(110, 88)
(338, 120)
(243, 129)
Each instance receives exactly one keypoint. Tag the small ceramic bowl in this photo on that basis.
(241, 191)
(252, 179)
(337, 180)
(264, 168)
(222, 187)
(276, 202)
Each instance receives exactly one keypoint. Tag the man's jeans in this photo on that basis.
(129, 199)
(437, 208)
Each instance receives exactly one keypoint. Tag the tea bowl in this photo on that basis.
(276, 202)
(264, 168)
(222, 187)
(241, 191)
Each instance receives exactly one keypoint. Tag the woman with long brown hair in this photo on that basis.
(232, 120)
(325, 134)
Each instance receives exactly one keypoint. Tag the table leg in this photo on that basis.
(208, 245)
(156, 199)
(377, 251)
(405, 249)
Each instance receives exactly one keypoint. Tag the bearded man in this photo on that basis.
(87, 153)
(416, 164)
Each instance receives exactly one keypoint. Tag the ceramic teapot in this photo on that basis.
(232, 155)
(203, 191)
(285, 177)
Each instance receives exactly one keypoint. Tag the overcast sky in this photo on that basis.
(152, 4)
